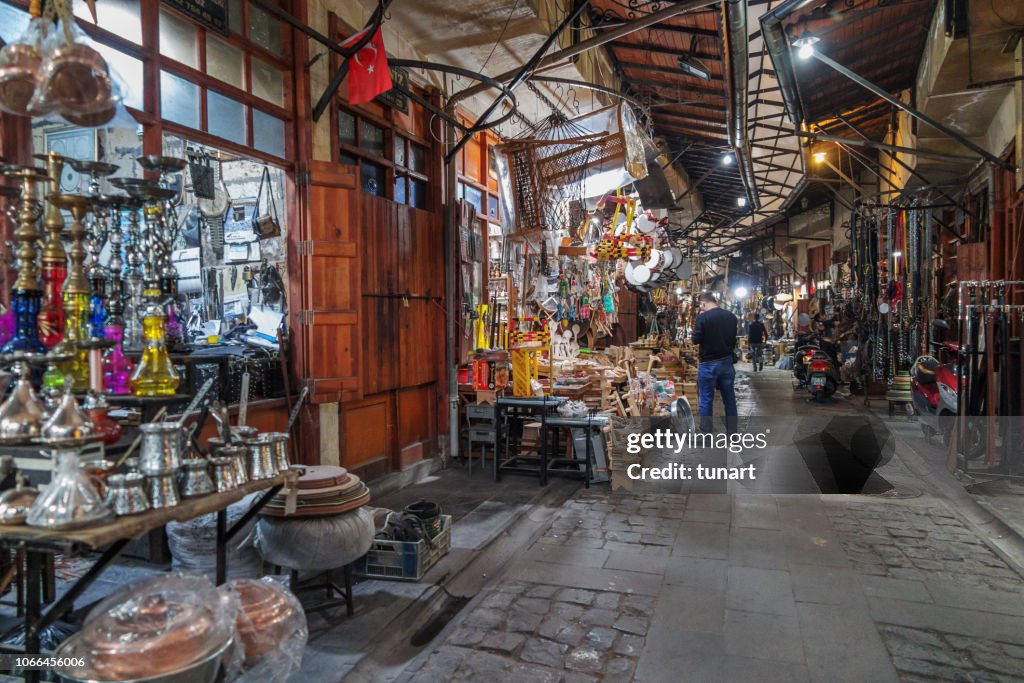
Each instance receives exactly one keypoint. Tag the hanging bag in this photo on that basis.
(203, 180)
(266, 224)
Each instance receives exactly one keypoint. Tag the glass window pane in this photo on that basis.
(372, 178)
(400, 190)
(475, 197)
(129, 70)
(492, 206)
(417, 193)
(13, 21)
(267, 82)
(235, 17)
(179, 100)
(224, 62)
(399, 150)
(119, 16)
(267, 133)
(178, 40)
(417, 158)
(371, 138)
(348, 159)
(264, 30)
(225, 117)
(346, 128)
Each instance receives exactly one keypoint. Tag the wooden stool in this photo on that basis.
(330, 588)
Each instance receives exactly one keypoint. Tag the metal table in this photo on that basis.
(554, 425)
(37, 543)
(516, 408)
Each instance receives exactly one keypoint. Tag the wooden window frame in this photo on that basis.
(153, 62)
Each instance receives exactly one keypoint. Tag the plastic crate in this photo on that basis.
(405, 560)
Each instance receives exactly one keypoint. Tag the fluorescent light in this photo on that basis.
(741, 201)
(740, 292)
(897, 254)
(692, 67)
(797, 283)
(805, 51)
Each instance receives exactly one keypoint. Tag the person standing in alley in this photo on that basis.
(715, 333)
(756, 336)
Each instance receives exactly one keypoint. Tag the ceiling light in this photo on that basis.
(727, 158)
(796, 283)
(679, 291)
(740, 292)
(693, 67)
(819, 157)
(806, 44)
(741, 201)
(897, 254)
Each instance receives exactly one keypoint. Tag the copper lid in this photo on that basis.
(265, 616)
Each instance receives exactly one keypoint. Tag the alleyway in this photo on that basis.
(667, 584)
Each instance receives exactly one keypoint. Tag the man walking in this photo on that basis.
(715, 333)
(756, 337)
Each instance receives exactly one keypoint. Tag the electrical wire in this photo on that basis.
(501, 35)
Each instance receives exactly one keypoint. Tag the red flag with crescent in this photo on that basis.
(368, 73)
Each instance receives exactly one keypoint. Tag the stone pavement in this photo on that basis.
(654, 586)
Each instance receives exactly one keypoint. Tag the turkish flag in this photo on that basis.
(368, 73)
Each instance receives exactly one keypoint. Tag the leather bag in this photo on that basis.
(266, 224)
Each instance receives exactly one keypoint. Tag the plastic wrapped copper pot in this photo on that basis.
(19, 75)
(271, 628)
(164, 625)
(77, 80)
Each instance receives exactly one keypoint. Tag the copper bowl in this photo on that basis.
(265, 617)
(158, 637)
(19, 75)
(205, 670)
(79, 81)
(92, 119)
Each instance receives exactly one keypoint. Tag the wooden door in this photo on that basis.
(331, 299)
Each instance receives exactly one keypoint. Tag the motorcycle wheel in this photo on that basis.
(819, 396)
(975, 436)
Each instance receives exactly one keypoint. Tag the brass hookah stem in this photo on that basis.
(27, 234)
(53, 221)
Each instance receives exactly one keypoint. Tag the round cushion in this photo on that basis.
(315, 543)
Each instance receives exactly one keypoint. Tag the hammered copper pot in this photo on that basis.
(265, 617)
(160, 636)
(79, 81)
(92, 119)
(20, 65)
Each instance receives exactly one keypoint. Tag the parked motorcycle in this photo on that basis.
(934, 388)
(802, 354)
(822, 376)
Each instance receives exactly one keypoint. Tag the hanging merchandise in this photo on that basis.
(266, 225)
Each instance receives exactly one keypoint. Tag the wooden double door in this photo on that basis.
(371, 325)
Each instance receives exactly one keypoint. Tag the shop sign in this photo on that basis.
(212, 14)
(396, 97)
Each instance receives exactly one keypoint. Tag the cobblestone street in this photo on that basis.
(651, 586)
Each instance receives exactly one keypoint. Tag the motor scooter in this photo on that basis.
(934, 387)
(822, 376)
(802, 353)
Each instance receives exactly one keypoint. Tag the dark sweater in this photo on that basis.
(756, 334)
(715, 332)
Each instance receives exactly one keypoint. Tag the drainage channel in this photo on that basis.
(425, 623)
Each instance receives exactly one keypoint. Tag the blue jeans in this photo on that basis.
(717, 374)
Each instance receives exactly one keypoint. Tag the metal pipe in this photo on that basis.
(451, 241)
(596, 41)
(813, 137)
(521, 75)
(920, 116)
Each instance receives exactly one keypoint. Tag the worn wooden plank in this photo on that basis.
(135, 526)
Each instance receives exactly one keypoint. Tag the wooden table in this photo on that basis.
(37, 542)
